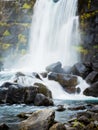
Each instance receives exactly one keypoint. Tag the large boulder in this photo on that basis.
(15, 93)
(3, 127)
(80, 69)
(92, 90)
(67, 81)
(43, 89)
(41, 100)
(92, 77)
(39, 120)
(55, 67)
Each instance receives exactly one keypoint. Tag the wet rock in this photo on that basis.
(58, 126)
(67, 81)
(55, 67)
(43, 89)
(80, 69)
(92, 77)
(36, 75)
(83, 119)
(3, 127)
(24, 115)
(3, 96)
(95, 66)
(77, 108)
(41, 100)
(60, 108)
(92, 90)
(39, 120)
(44, 74)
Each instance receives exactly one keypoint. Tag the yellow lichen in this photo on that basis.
(6, 33)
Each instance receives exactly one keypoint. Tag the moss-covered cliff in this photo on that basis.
(15, 20)
(88, 11)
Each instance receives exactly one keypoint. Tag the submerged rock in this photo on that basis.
(39, 120)
(60, 108)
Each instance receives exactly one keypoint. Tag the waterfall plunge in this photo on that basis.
(54, 32)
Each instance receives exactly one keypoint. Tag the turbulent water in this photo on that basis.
(54, 34)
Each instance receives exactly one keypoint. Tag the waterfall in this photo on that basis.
(54, 33)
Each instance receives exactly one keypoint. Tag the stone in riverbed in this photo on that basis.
(43, 89)
(92, 77)
(3, 127)
(80, 69)
(41, 100)
(58, 126)
(67, 81)
(39, 120)
(92, 90)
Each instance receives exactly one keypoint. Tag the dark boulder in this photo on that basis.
(21, 95)
(43, 89)
(80, 69)
(41, 100)
(15, 93)
(67, 81)
(92, 77)
(60, 108)
(3, 127)
(55, 67)
(92, 90)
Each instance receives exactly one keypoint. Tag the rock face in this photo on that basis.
(15, 93)
(68, 82)
(92, 90)
(88, 11)
(40, 120)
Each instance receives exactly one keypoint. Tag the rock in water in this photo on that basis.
(39, 120)
(41, 100)
(3, 127)
(58, 126)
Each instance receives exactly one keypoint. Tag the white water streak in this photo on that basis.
(54, 32)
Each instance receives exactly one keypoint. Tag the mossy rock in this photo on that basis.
(43, 89)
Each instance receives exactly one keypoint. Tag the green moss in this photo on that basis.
(26, 6)
(95, 47)
(78, 124)
(22, 38)
(80, 49)
(6, 33)
(6, 46)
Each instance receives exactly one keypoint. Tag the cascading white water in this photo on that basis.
(54, 32)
